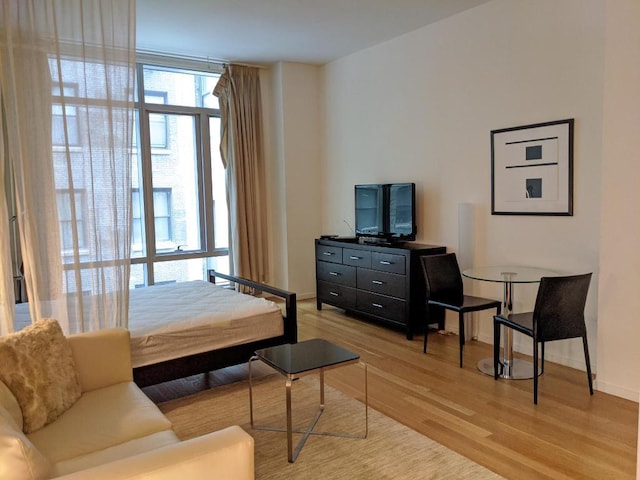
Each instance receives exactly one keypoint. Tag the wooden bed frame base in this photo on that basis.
(224, 357)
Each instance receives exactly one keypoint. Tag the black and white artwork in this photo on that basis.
(532, 169)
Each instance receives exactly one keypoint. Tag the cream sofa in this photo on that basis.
(113, 431)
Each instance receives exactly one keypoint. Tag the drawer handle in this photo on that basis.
(384, 262)
(377, 282)
(335, 274)
(377, 305)
(353, 257)
(328, 254)
(334, 294)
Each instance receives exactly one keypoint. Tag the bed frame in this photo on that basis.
(224, 357)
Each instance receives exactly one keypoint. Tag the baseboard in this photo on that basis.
(616, 390)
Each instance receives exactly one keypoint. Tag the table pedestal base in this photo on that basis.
(518, 369)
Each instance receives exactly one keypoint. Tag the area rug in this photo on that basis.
(390, 451)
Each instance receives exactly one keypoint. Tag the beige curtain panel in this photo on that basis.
(242, 152)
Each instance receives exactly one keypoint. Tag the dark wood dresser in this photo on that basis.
(380, 282)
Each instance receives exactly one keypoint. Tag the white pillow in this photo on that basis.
(20, 459)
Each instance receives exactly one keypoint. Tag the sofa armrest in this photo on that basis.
(102, 357)
(225, 454)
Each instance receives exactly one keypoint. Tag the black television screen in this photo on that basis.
(385, 212)
(369, 210)
(401, 211)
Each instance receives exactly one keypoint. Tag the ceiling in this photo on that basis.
(269, 31)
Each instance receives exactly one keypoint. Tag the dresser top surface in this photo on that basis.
(351, 242)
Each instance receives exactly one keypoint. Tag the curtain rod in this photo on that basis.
(154, 55)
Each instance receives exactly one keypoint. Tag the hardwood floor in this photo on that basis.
(568, 435)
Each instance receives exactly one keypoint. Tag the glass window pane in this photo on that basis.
(219, 188)
(158, 130)
(65, 216)
(138, 236)
(219, 264)
(136, 229)
(175, 173)
(155, 96)
(209, 100)
(136, 209)
(138, 276)
(180, 270)
(73, 69)
(161, 202)
(68, 114)
(183, 87)
(163, 230)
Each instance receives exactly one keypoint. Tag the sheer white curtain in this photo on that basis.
(67, 85)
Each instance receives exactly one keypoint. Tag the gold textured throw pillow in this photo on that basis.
(37, 365)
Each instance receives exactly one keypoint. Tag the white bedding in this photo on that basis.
(179, 319)
(171, 321)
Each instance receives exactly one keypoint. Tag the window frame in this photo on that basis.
(143, 152)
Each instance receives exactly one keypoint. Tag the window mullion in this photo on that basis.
(207, 190)
(180, 167)
(147, 180)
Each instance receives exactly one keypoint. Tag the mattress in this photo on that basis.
(175, 320)
(179, 319)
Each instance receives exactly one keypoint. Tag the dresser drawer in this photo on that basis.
(336, 273)
(381, 306)
(327, 253)
(390, 284)
(388, 262)
(338, 295)
(357, 258)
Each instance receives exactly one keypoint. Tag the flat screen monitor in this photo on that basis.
(385, 212)
(401, 211)
(369, 210)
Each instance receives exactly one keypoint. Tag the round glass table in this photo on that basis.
(508, 275)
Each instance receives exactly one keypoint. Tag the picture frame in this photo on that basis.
(532, 169)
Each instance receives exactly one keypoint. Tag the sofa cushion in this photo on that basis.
(38, 368)
(19, 459)
(100, 419)
(117, 452)
(10, 404)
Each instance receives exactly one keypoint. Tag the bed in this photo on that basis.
(227, 353)
(188, 328)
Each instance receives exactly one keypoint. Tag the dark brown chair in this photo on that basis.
(558, 314)
(445, 290)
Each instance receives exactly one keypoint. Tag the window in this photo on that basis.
(66, 224)
(162, 213)
(157, 121)
(59, 113)
(162, 216)
(180, 221)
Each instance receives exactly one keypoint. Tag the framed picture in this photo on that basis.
(532, 169)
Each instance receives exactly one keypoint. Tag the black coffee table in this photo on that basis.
(295, 360)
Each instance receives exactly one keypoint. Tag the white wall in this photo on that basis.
(619, 302)
(271, 90)
(421, 107)
(294, 143)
